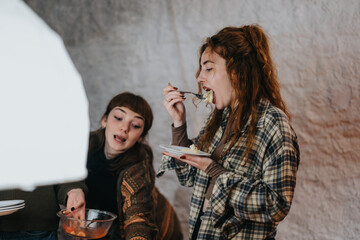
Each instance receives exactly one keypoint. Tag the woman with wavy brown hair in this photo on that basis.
(245, 188)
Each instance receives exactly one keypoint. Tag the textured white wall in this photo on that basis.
(140, 46)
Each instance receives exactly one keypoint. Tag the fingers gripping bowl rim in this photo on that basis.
(95, 225)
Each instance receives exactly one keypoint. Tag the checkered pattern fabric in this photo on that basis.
(249, 200)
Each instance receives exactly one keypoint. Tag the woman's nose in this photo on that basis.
(201, 78)
(125, 127)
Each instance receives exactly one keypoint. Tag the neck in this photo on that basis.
(109, 155)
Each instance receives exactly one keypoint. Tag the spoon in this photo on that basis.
(92, 221)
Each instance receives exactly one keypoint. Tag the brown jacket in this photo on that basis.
(143, 212)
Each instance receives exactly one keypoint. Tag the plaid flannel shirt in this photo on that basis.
(248, 201)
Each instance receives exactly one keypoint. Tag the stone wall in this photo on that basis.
(140, 46)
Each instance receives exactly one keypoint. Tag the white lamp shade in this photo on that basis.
(44, 123)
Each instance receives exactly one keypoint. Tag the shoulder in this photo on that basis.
(139, 175)
(139, 169)
(141, 158)
(272, 117)
(275, 124)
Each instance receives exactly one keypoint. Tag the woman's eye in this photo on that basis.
(118, 118)
(208, 69)
(136, 126)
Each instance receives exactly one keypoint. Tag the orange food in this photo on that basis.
(73, 230)
(68, 229)
(81, 234)
(99, 233)
(86, 232)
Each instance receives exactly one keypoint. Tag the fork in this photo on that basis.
(199, 96)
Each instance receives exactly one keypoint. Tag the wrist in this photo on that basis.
(214, 169)
(178, 123)
(75, 190)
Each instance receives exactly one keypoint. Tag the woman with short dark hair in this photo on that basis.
(121, 177)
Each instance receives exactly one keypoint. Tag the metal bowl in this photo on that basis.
(95, 225)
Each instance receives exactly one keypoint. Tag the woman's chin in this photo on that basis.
(219, 107)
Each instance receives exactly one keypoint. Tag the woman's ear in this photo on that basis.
(140, 139)
(103, 122)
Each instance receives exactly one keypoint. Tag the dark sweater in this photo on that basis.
(101, 183)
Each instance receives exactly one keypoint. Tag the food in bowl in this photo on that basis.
(95, 225)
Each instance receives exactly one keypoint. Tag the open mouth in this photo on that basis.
(209, 95)
(119, 139)
(206, 89)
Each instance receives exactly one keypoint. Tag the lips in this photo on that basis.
(119, 139)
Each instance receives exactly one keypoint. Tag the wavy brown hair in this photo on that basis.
(253, 77)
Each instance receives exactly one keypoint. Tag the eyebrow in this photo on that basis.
(207, 61)
(136, 116)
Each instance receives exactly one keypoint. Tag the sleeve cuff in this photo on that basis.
(167, 164)
(214, 170)
(177, 129)
(179, 135)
